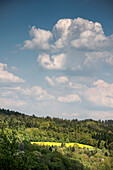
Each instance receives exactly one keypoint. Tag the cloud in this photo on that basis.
(77, 86)
(14, 68)
(25, 99)
(69, 98)
(72, 44)
(50, 81)
(56, 80)
(9, 98)
(104, 57)
(11, 102)
(35, 92)
(61, 80)
(61, 31)
(69, 115)
(5, 76)
(90, 35)
(40, 39)
(54, 62)
(79, 33)
(103, 115)
(100, 94)
(38, 92)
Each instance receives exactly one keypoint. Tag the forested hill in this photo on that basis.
(96, 133)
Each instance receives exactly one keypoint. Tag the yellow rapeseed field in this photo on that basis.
(66, 144)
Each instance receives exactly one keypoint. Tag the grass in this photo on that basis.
(66, 144)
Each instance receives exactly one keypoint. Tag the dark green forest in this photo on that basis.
(17, 131)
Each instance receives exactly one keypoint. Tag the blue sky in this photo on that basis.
(56, 58)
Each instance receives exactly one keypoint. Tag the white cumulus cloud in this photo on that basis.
(11, 102)
(36, 92)
(61, 31)
(69, 98)
(79, 33)
(90, 35)
(18, 97)
(6, 76)
(72, 44)
(103, 115)
(92, 58)
(56, 80)
(101, 93)
(52, 62)
(40, 39)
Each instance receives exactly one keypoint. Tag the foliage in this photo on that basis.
(86, 144)
(36, 129)
(33, 157)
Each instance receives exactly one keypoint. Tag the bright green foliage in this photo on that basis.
(9, 156)
(85, 144)
(33, 157)
(111, 146)
(48, 129)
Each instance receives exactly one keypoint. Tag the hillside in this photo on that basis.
(95, 133)
(18, 131)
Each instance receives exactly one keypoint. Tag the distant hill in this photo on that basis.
(96, 133)
(30, 142)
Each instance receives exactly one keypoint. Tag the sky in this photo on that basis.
(56, 58)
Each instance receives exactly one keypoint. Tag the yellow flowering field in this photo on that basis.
(66, 144)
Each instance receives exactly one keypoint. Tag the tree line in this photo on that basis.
(17, 131)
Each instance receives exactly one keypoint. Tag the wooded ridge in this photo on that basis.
(19, 131)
